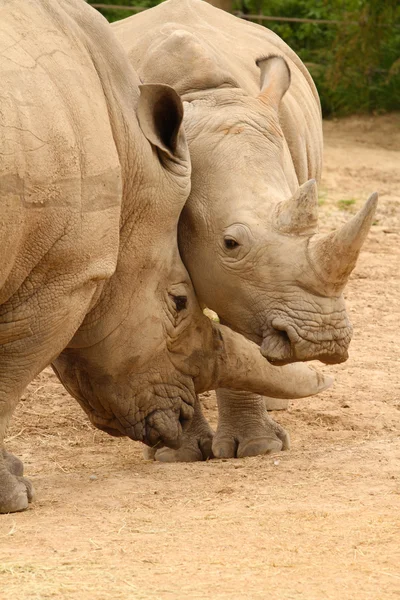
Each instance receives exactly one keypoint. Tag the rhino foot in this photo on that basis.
(16, 492)
(232, 447)
(196, 442)
(245, 427)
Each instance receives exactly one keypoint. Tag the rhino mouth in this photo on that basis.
(161, 427)
(283, 344)
(327, 359)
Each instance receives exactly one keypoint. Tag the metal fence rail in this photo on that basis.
(242, 15)
(119, 7)
(237, 13)
(293, 19)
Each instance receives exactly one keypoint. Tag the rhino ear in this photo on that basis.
(160, 116)
(275, 79)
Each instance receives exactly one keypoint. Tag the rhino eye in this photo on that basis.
(230, 243)
(180, 302)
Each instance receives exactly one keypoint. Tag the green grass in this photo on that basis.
(322, 196)
(355, 64)
(346, 204)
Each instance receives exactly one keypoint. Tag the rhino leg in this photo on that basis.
(13, 464)
(245, 428)
(15, 491)
(196, 442)
(31, 341)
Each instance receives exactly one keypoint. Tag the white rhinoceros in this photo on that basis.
(92, 181)
(248, 233)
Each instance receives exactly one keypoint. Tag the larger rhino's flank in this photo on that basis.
(248, 233)
(91, 277)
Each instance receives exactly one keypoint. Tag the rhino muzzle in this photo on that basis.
(162, 426)
(283, 344)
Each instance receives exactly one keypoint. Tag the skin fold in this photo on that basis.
(94, 173)
(249, 231)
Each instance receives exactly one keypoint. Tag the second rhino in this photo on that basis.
(249, 231)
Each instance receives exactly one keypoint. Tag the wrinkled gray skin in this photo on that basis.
(248, 233)
(93, 176)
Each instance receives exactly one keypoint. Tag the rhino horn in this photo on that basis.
(334, 256)
(299, 214)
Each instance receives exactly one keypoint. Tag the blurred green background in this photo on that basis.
(355, 65)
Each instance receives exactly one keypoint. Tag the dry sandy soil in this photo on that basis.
(321, 521)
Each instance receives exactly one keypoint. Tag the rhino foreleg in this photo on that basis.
(245, 428)
(29, 341)
(15, 491)
(13, 464)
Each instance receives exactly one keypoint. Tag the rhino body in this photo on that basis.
(199, 49)
(248, 233)
(93, 176)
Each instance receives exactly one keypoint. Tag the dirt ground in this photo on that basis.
(321, 521)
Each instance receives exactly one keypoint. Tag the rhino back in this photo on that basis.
(233, 46)
(60, 181)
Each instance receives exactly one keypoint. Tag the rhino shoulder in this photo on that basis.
(60, 168)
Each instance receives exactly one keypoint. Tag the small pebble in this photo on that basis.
(93, 477)
(276, 462)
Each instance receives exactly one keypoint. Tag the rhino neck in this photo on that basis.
(146, 260)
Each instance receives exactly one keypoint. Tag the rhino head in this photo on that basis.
(249, 232)
(145, 349)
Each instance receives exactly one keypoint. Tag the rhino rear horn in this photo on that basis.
(299, 214)
(334, 256)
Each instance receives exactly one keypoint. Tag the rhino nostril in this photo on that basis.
(283, 335)
(277, 345)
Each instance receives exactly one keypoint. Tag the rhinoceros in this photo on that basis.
(93, 177)
(248, 233)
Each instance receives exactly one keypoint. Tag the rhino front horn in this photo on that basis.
(334, 256)
(299, 214)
